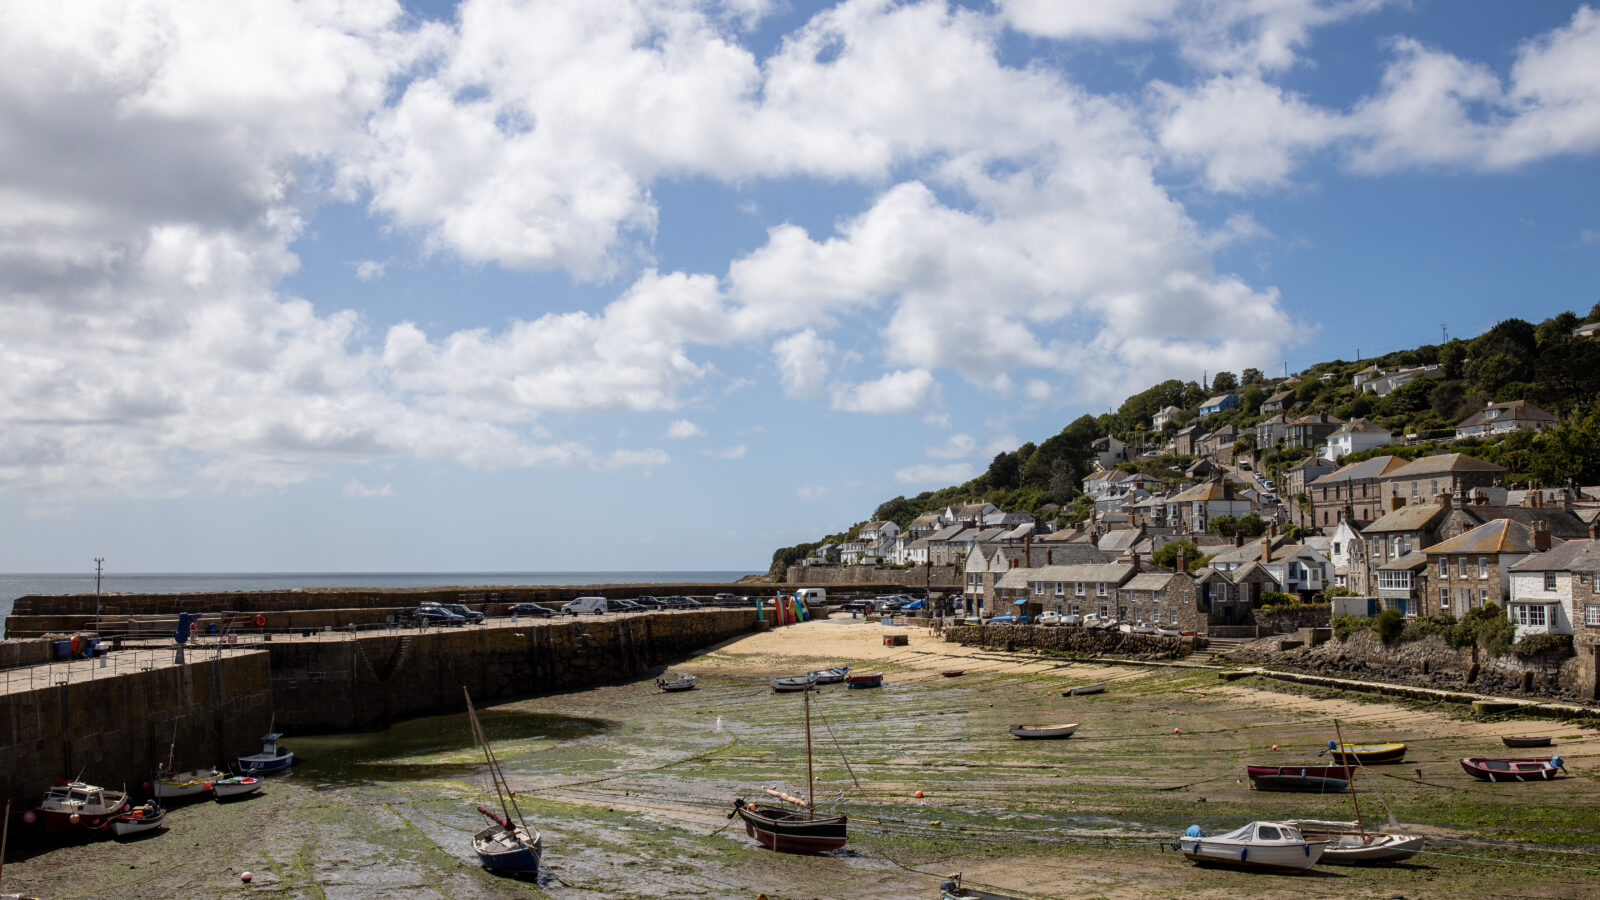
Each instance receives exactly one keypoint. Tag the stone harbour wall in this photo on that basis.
(1067, 639)
(940, 578)
(115, 731)
(374, 680)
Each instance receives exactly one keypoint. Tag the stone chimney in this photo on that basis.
(1133, 557)
(1445, 500)
(1594, 530)
(1049, 556)
(1541, 536)
(1238, 539)
(1266, 550)
(1183, 560)
(1530, 500)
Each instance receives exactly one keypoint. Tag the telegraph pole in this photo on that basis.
(99, 561)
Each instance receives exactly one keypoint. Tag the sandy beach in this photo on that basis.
(632, 789)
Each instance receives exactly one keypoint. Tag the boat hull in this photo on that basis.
(1085, 689)
(831, 676)
(89, 804)
(1292, 858)
(791, 685)
(1039, 732)
(684, 683)
(138, 820)
(1300, 784)
(259, 764)
(1352, 847)
(1368, 754)
(1309, 771)
(1541, 741)
(792, 832)
(176, 785)
(506, 851)
(236, 786)
(864, 681)
(1484, 769)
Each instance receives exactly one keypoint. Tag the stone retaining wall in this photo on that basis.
(1064, 639)
(25, 653)
(114, 731)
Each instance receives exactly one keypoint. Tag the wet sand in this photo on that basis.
(633, 792)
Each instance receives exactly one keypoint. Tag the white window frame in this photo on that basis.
(1099, 588)
(1079, 591)
(1591, 614)
(1061, 588)
(1549, 581)
(1038, 589)
(1444, 599)
(1461, 567)
(1444, 567)
(1483, 567)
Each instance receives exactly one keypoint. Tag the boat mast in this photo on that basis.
(811, 791)
(502, 791)
(1359, 825)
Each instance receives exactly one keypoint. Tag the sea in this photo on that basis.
(19, 585)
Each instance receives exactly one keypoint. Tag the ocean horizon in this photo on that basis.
(14, 585)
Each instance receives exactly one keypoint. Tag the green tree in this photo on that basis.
(1224, 382)
(1251, 376)
(1167, 556)
(1080, 510)
(899, 511)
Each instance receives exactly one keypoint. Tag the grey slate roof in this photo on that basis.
(1557, 559)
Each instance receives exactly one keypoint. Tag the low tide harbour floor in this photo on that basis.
(632, 787)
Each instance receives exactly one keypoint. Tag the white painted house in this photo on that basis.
(1541, 590)
(1354, 436)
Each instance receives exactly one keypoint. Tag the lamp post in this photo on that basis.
(98, 562)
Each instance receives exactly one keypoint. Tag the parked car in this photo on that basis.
(596, 605)
(529, 609)
(649, 601)
(431, 615)
(727, 598)
(472, 616)
(623, 604)
(678, 601)
(915, 605)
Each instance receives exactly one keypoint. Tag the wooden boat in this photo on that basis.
(169, 785)
(864, 681)
(505, 847)
(953, 673)
(73, 804)
(1366, 754)
(830, 676)
(1352, 844)
(272, 760)
(1083, 689)
(227, 786)
(793, 830)
(952, 889)
(1489, 769)
(680, 683)
(1168, 632)
(137, 820)
(1259, 845)
(792, 684)
(1530, 741)
(1311, 771)
(1043, 731)
(1300, 784)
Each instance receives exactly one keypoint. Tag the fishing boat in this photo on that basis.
(1366, 754)
(1083, 689)
(830, 676)
(1299, 784)
(226, 786)
(74, 804)
(864, 681)
(1275, 846)
(272, 760)
(791, 684)
(793, 830)
(507, 846)
(1352, 844)
(169, 785)
(137, 820)
(1030, 732)
(953, 889)
(678, 683)
(1543, 740)
(1489, 769)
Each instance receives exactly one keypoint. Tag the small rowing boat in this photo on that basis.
(1366, 754)
(830, 676)
(1043, 731)
(1083, 689)
(679, 683)
(225, 786)
(139, 819)
(864, 681)
(953, 673)
(1488, 769)
(791, 684)
(1351, 844)
(1543, 740)
(1299, 784)
(1310, 771)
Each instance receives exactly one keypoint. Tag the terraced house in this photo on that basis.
(1472, 569)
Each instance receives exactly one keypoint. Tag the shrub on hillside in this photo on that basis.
(1344, 626)
(1424, 626)
(1543, 645)
(1388, 624)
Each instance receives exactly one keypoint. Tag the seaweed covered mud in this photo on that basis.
(632, 788)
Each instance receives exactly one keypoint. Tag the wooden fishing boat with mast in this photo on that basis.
(1351, 843)
(793, 831)
(508, 846)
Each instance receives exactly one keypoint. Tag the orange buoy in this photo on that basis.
(919, 795)
(245, 877)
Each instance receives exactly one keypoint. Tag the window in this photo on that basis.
(1591, 614)
(1549, 581)
(1395, 581)
(1074, 609)
(1061, 588)
(1483, 567)
(1461, 567)
(1444, 599)
(1038, 588)
(1336, 547)
(1099, 588)
(1483, 597)
(1104, 610)
(1444, 567)
(1079, 589)
(1221, 592)
(1122, 612)
(1528, 614)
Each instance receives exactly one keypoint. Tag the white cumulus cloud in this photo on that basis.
(902, 392)
(683, 428)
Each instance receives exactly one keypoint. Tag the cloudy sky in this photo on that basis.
(364, 285)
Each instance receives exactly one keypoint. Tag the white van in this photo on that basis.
(596, 605)
(811, 596)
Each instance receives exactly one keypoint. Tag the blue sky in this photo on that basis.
(374, 286)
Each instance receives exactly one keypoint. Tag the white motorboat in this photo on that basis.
(137, 820)
(1259, 845)
(272, 759)
(1353, 844)
(78, 805)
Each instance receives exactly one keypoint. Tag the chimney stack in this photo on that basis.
(1238, 539)
(1049, 556)
(1594, 530)
(1541, 536)
(1266, 550)
(1133, 557)
(1183, 560)
(1445, 500)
